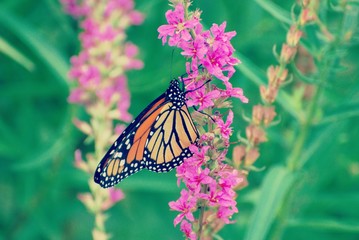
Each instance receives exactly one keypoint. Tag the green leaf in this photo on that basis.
(354, 3)
(325, 224)
(341, 113)
(14, 54)
(276, 11)
(39, 45)
(273, 191)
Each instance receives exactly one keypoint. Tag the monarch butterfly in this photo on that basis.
(158, 139)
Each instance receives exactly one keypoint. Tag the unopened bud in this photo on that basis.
(293, 36)
(306, 16)
(257, 114)
(268, 94)
(255, 134)
(269, 114)
(251, 156)
(287, 53)
(239, 152)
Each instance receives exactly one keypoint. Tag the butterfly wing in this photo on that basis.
(158, 139)
(169, 139)
(115, 165)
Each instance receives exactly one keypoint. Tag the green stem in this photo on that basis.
(294, 160)
(293, 163)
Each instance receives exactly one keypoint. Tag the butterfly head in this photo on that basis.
(175, 93)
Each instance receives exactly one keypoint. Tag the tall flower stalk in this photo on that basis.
(101, 87)
(264, 113)
(209, 199)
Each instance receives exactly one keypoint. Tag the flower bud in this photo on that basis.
(306, 16)
(269, 114)
(83, 126)
(251, 157)
(80, 163)
(255, 135)
(87, 200)
(268, 94)
(287, 53)
(239, 152)
(293, 36)
(257, 114)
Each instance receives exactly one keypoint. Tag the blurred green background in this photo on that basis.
(39, 184)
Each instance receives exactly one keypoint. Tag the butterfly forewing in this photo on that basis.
(158, 139)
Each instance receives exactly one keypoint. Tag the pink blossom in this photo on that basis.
(186, 228)
(214, 63)
(185, 204)
(198, 178)
(119, 129)
(211, 196)
(225, 127)
(136, 17)
(234, 92)
(194, 49)
(176, 30)
(76, 96)
(199, 154)
(116, 194)
(131, 51)
(203, 99)
(225, 213)
(75, 9)
(79, 162)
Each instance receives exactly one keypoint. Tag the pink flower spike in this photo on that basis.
(136, 17)
(225, 127)
(186, 228)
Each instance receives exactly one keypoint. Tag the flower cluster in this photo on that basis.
(211, 49)
(101, 86)
(209, 180)
(105, 56)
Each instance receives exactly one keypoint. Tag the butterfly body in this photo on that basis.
(158, 140)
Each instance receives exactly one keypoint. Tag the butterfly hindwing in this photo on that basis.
(169, 141)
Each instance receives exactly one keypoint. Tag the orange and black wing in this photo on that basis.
(169, 139)
(116, 164)
(158, 139)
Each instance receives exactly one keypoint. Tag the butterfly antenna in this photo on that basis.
(198, 87)
(173, 51)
